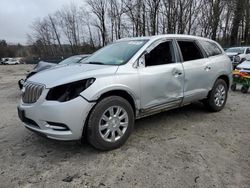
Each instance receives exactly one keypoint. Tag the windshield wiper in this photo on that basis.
(96, 63)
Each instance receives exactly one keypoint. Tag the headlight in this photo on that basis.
(237, 58)
(69, 91)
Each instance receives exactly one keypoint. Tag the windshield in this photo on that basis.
(70, 60)
(117, 53)
(236, 50)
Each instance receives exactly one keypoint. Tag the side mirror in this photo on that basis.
(141, 61)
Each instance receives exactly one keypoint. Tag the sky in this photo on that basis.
(17, 16)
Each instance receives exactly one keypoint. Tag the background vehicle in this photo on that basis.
(127, 80)
(3, 60)
(244, 66)
(238, 54)
(42, 65)
(11, 61)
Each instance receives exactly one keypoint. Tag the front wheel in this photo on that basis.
(110, 123)
(217, 97)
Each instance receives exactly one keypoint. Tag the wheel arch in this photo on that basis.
(226, 79)
(121, 93)
(117, 92)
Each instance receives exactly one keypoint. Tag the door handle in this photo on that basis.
(177, 73)
(208, 68)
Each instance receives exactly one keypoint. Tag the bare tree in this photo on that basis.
(55, 30)
(99, 8)
(116, 11)
(153, 10)
(237, 20)
(247, 22)
(43, 34)
(69, 22)
(102, 21)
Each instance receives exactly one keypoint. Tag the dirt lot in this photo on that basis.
(186, 147)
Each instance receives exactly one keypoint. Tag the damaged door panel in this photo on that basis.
(161, 78)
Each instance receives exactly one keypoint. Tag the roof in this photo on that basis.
(155, 37)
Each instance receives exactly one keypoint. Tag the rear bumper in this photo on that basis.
(55, 120)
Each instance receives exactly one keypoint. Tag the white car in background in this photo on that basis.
(244, 66)
(12, 62)
(238, 54)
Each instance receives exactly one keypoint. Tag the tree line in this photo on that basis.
(12, 50)
(95, 23)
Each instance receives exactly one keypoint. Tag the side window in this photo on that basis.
(190, 51)
(248, 51)
(160, 55)
(210, 48)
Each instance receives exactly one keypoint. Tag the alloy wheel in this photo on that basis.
(220, 95)
(113, 123)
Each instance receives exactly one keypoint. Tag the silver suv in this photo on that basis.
(100, 98)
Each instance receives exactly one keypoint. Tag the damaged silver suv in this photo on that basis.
(100, 98)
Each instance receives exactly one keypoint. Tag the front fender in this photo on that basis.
(104, 85)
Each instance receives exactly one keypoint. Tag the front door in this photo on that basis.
(161, 77)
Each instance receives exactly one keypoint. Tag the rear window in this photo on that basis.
(210, 48)
(190, 51)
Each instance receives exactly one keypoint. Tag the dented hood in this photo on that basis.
(61, 75)
(42, 65)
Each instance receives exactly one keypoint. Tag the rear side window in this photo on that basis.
(190, 51)
(210, 48)
(248, 51)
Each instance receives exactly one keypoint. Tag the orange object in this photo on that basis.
(241, 74)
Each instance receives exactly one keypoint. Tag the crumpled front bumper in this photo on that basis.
(72, 114)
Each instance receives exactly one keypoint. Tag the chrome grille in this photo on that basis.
(32, 92)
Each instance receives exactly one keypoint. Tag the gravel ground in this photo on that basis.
(186, 147)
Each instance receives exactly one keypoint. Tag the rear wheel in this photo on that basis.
(110, 123)
(217, 97)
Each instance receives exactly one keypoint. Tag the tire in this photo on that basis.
(101, 118)
(233, 87)
(216, 102)
(244, 89)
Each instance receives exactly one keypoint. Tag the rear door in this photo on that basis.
(161, 77)
(197, 70)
